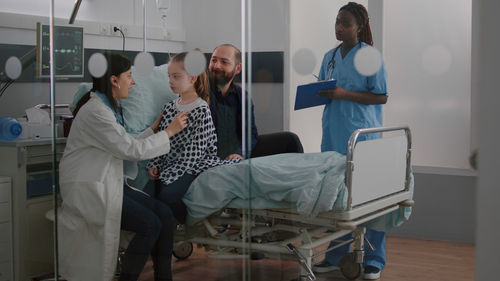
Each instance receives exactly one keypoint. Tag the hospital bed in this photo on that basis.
(375, 191)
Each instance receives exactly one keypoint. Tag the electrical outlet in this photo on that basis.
(113, 32)
(104, 29)
(124, 29)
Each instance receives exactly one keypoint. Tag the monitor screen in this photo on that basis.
(68, 51)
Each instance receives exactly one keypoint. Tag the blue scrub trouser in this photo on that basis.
(171, 194)
(152, 221)
(372, 258)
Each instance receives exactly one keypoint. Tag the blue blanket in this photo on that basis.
(310, 183)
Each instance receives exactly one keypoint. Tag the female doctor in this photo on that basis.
(93, 192)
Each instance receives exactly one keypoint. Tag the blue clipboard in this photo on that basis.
(307, 94)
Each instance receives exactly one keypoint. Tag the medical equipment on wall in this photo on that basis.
(163, 6)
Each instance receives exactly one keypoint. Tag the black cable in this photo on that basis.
(26, 60)
(1, 92)
(115, 29)
(5, 86)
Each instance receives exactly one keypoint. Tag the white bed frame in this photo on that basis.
(377, 179)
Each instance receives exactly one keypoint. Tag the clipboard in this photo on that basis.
(307, 94)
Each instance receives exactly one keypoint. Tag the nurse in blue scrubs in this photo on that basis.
(355, 103)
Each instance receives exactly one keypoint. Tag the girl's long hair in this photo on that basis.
(361, 15)
(116, 65)
(201, 84)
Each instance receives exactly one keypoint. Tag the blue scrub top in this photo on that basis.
(342, 117)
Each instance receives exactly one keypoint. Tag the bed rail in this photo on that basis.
(351, 151)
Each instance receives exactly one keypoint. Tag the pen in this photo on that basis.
(315, 76)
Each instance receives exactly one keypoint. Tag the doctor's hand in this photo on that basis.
(338, 93)
(155, 125)
(234, 156)
(178, 124)
(153, 173)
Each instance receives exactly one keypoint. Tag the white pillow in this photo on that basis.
(146, 99)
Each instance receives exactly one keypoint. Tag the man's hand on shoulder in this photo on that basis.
(234, 156)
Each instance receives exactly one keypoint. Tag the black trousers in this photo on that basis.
(153, 224)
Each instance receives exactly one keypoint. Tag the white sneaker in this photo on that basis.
(371, 273)
(324, 267)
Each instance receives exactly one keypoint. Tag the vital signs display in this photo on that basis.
(68, 51)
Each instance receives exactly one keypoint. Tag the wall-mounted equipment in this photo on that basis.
(68, 51)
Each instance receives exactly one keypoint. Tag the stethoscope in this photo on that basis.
(331, 63)
(119, 118)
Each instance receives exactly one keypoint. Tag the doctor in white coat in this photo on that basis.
(92, 187)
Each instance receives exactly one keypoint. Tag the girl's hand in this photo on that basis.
(334, 94)
(155, 125)
(178, 124)
(153, 173)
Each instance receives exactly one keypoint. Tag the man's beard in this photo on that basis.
(222, 80)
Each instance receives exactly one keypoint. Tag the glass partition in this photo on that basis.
(96, 143)
(348, 66)
(107, 229)
(31, 140)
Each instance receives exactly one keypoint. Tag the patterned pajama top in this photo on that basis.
(194, 149)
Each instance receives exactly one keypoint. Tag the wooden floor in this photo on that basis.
(407, 259)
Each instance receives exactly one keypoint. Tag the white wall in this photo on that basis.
(425, 92)
(214, 22)
(427, 50)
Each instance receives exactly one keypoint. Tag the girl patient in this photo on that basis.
(193, 150)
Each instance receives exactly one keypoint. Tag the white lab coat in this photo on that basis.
(91, 182)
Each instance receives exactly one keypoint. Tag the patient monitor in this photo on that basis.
(68, 51)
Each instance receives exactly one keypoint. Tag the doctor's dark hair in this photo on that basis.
(201, 84)
(361, 15)
(116, 65)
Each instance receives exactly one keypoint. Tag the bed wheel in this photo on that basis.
(349, 267)
(182, 250)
